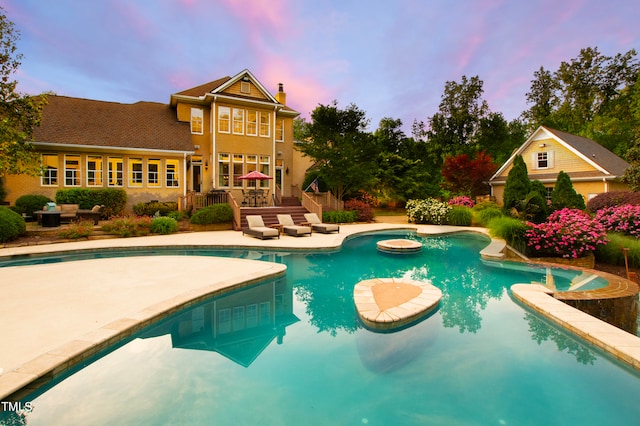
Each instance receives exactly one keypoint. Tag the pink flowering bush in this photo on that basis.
(569, 233)
(624, 219)
(462, 200)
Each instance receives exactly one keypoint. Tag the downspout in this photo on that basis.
(214, 143)
(184, 174)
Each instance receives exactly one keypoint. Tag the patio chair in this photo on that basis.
(290, 228)
(317, 225)
(257, 228)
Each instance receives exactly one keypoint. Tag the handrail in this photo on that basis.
(310, 204)
(236, 211)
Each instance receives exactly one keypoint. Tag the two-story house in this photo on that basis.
(204, 139)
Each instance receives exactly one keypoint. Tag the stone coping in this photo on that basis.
(622, 345)
(390, 303)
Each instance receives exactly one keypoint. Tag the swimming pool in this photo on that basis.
(292, 351)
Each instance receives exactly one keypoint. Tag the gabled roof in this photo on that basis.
(85, 122)
(218, 87)
(606, 162)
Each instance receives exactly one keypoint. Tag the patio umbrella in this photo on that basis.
(255, 175)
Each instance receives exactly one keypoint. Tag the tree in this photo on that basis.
(344, 153)
(543, 97)
(468, 176)
(454, 128)
(565, 195)
(518, 185)
(19, 114)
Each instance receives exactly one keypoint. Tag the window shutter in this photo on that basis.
(534, 160)
(550, 159)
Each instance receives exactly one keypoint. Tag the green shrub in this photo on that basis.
(81, 229)
(128, 226)
(178, 215)
(114, 200)
(340, 216)
(612, 253)
(28, 204)
(11, 225)
(485, 215)
(564, 194)
(459, 216)
(511, 230)
(163, 225)
(364, 210)
(217, 213)
(152, 207)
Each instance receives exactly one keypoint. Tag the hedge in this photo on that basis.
(11, 225)
(114, 200)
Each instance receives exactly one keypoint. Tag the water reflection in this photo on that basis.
(238, 325)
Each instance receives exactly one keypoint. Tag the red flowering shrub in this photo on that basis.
(365, 211)
(624, 219)
(462, 200)
(569, 233)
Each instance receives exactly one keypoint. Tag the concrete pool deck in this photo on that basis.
(55, 315)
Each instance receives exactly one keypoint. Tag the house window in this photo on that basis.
(49, 170)
(265, 313)
(280, 130)
(265, 163)
(115, 171)
(171, 169)
(238, 169)
(265, 128)
(238, 318)
(95, 171)
(543, 160)
(153, 172)
(252, 123)
(252, 315)
(252, 164)
(135, 172)
(197, 119)
(224, 321)
(238, 121)
(71, 170)
(223, 170)
(224, 114)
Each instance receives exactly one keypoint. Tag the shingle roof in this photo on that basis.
(142, 125)
(205, 88)
(594, 151)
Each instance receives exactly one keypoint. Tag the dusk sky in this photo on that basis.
(390, 58)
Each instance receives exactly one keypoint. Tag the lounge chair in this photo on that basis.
(290, 228)
(257, 228)
(318, 226)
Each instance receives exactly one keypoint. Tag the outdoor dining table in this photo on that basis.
(48, 218)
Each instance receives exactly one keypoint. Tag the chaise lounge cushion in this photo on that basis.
(256, 228)
(318, 226)
(290, 228)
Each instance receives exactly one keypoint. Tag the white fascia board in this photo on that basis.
(74, 147)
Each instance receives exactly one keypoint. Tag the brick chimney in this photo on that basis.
(281, 97)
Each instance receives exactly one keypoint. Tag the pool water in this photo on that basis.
(292, 351)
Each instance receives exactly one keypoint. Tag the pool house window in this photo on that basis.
(50, 170)
(71, 170)
(95, 170)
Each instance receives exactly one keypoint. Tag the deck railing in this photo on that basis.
(198, 200)
(309, 204)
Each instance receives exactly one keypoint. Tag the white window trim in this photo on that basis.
(234, 121)
(78, 171)
(95, 171)
(197, 113)
(226, 109)
(44, 174)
